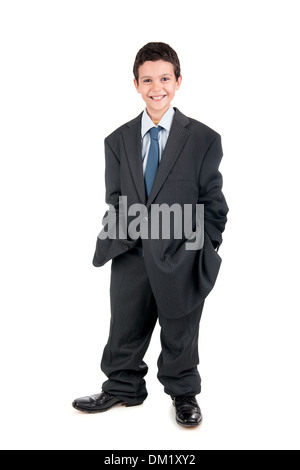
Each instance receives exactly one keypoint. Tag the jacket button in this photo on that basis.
(125, 247)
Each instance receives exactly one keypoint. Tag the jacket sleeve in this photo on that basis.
(112, 187)
(105, 246)
(112, 177)
(210, 193)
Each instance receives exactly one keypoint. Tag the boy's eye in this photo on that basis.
(147, 80)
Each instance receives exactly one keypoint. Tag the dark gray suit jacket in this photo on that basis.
(187, 174)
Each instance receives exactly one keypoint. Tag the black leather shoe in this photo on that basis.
(99, 403)
(188, 413)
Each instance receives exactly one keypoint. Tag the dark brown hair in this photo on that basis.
(156, 51)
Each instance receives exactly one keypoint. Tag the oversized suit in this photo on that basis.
(159, 278)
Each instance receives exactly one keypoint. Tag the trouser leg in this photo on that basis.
(133, 318)
(177, 364)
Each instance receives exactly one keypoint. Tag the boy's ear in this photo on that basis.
(136, 85)
(178, 83)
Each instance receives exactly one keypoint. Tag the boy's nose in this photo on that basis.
(156, 86)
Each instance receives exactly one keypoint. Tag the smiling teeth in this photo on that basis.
(157, 98)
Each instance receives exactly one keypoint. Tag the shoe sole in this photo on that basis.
(194, 425)
(83, 410)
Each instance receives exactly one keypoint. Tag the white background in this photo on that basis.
(66, 82)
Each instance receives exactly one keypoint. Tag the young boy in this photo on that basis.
(163, 158)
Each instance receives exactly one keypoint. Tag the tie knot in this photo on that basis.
(154, 132)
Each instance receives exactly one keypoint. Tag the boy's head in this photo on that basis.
(157, 76)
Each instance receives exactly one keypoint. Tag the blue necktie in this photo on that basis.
(153, 159)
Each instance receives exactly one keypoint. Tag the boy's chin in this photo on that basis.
(158, 105)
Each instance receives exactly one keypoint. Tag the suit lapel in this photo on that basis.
(133, 146)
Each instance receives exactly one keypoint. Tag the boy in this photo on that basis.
(159, 158)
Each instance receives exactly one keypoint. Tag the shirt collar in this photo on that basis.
(165, 122)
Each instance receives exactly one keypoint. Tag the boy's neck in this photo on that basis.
(156, 117)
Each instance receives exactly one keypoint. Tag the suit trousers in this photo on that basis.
(134, 314)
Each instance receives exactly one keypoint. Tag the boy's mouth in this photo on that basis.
(158, 98)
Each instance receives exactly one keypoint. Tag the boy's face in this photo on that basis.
(157, 85)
